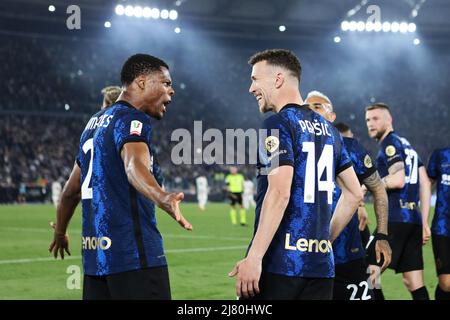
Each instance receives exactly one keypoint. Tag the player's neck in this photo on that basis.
(385, 134)
(127, 97)
(288, 97)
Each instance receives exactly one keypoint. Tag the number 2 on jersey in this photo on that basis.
(325, 163)
(86, 192)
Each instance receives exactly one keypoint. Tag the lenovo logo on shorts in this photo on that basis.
(93, 243)
(308, 245)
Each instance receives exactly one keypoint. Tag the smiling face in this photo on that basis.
(157, 92)
(263, 85)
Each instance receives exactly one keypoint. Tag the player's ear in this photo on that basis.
(332, 116)
(140, 81)
(279, 80)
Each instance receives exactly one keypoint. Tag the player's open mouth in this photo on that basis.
(258, 97)
(165, 104)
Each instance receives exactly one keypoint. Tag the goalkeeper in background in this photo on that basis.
(235, 187)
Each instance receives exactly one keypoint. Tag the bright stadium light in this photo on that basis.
(361, 26)
(66, 107)
(282, 28)
(173, 15)
(155, 13)
(386, 26)
(345, 25)
(164, 14)
(404, 27)
(147, 12)
(120, 10)
(107, 24)
(377, 26)
(337, 39)
(51, 8)
(395, 27)
(412, 27)
(129, 11)
(138, 11)
(369, 26)
(177, 30)
(416, 41)
(353, 26)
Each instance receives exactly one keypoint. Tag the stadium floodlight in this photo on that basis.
(369, 26)
(337, 39)
(51, 8)
(412, 27)
(129, 11)
(164, 14)
(353, 26)
(155, 13)
(120, 10)
(282, 28)
(177, 30)
(138, 11)
(345, 25)
(66, 107)
(173, 15)
(361, 26)
(395, 27)
(386, 26)
(377, 26)
(416, 41)
(147, 12)
(404, 27)
(107, 24)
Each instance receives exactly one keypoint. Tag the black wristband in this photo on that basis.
(381, 236)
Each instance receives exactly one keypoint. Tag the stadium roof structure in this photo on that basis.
(245, 19)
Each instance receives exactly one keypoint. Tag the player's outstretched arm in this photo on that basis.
(425, 202)
(70, 197)
(348, 202)
(136, 159)
(277, 197)
(381, 205)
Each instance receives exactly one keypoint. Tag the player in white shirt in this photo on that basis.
(249, 192)
(56, 192)
(202, 191)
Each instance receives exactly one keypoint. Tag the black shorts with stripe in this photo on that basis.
(235, 197)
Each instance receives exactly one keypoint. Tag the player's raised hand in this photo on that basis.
(248, 272)
(171, 205)
(59, 244)
(382, 247)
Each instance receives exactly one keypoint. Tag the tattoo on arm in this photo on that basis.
(381, 205)
(396, 167)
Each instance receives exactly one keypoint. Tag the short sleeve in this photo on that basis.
(132, 127)
(343, 160)
(393, 152)
(363, 163)
(277, 147)
(432, 169)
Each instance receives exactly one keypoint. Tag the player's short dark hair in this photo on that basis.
(279, 57)
(140, 64)
(378, 105)
(342, 127)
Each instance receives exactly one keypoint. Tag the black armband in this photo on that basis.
(381, 236)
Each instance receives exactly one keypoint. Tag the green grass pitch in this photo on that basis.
(198, 261)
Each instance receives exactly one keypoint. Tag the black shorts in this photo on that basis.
(441, 250)
(141, 284)
(235, 197)
(405, 240)
(279, 287)
(351, 282)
